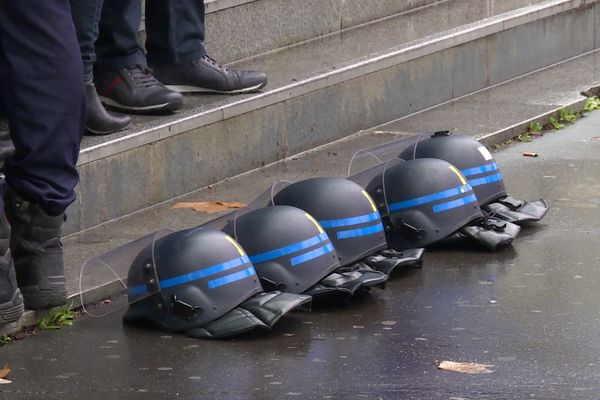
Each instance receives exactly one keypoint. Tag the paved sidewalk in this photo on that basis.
(530, 310)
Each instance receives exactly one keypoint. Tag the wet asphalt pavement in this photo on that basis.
(530, 310)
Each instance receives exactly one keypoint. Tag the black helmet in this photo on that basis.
(344, 210)
(478, 165)
(289, 249)
(203, 283)
(472, 158)
(423, 201)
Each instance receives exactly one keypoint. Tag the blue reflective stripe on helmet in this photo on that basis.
(479, 170)
(227, 279)
(137, 290)
(429, 198)
(486, 179)
(293, 248)
(369, 230)
(311, 255)
(335, 223)
(454, 203)
(203, 273)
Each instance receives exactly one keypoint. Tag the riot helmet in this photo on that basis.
(477, 164)
(422, 200)
(202, 283)
(473, 159)
(288, 248)
(344, 209)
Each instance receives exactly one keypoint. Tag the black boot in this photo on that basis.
(37, 253)
(11, 302)
(99, 121)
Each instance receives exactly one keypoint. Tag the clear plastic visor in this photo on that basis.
(103, 283)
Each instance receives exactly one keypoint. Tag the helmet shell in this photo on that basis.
(196, 275)
(289, 249)
(424, 201)
(344, 209)
(472, 158)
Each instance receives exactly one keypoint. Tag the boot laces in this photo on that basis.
(214, 63)
(142, 76)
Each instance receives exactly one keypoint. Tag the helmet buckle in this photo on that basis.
(185, 310)
(270, 285)
(411, 232)
(511, 203)
(494, 224)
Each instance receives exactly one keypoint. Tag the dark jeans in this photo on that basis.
(174, 31)
(43, 99)
(86, 17)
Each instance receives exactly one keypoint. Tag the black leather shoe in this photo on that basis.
(99, 121)
(135, 89)
(207, 75)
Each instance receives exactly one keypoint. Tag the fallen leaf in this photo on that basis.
(210, 206)
(4, 371)
(4, 381)
(465, 368)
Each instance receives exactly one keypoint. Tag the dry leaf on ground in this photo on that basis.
(211, 207)
(230, 204)
(465, 368)
(4, 371)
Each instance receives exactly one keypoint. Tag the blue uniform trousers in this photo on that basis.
(43, 97)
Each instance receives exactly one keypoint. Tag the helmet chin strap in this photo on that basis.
(387, 261)
(517, 211)
(489, 232)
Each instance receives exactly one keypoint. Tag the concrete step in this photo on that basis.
(323, 90)
(237, 29)
(491, 114)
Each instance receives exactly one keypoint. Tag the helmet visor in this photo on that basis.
(370, 157)
(103, 280)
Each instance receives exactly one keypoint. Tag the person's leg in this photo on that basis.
(41, 79)
(86, 17)
(121, 75)
(118, 45)
(175, 31)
